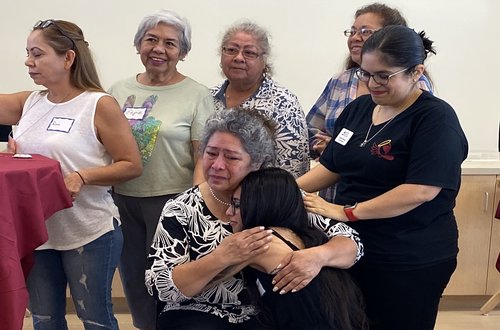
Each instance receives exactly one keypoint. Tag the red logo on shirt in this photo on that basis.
(382, 150)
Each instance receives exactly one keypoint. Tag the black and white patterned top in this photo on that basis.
(282, 106)
(187, 231)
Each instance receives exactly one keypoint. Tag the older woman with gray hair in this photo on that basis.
(166, 111)
(245, 53)
(194, 241)
(195, 259)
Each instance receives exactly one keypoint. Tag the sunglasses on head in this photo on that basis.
(40, 25)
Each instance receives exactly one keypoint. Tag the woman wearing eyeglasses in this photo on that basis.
(75, 122)
(244, 60)
(195, 258)
(342, 89)
(331, 300)
(396, 157)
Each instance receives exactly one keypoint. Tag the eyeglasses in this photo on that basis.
(233, 51)
(379, 78)
(45, 24)
(235, 204)
(365, 33)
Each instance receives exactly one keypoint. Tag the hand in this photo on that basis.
(318, 205)
(73, 184)
(322, 141)
(298, 269)
(243, 246)
(11, 145)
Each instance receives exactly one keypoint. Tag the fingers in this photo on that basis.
(73, 185)
(300, 267)
(11, 146)
(323, 137)
(287, 280)
(243, 246)
(256, 240)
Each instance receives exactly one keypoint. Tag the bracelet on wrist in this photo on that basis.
(348, 210)
(81, 177)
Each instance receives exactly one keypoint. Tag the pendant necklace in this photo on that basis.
(366, 140)
(216, 198)
(410, 101)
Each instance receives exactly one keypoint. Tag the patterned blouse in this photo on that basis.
(188, 231)
(282, 106)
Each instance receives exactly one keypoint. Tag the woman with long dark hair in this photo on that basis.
(271, 198)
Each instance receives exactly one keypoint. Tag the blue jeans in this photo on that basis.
(88, 271)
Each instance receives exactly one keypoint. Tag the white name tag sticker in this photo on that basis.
(344, 136)
(135, 113)
(60, 124)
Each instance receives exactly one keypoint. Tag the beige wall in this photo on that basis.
(307, 42)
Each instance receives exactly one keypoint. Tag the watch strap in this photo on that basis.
(348, 210)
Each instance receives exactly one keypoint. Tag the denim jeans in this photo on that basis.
(88, 271)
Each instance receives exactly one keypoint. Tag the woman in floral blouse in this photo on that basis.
(245, 52)
(194, 244)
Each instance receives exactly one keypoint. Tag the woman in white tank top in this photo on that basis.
(75, 122)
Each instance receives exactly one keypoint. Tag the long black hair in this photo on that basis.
(271, 198)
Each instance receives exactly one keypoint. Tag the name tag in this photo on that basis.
(135, 113)
(344, 136)
(61, 124)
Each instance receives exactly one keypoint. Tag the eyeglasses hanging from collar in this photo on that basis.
(40, 25)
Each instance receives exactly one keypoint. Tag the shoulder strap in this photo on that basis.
(287, 242)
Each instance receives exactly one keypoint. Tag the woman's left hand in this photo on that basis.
(74, 184)
(297, 270)
(318, 205)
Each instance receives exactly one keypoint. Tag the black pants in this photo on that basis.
(193, 320)
(406, 299)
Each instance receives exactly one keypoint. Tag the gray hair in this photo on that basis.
(256, 133)
(259, 33)
(167, 17)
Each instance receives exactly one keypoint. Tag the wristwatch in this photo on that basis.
(348, 210)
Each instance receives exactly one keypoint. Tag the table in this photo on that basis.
(31, 190)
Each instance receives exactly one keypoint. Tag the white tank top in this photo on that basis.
(66, 132)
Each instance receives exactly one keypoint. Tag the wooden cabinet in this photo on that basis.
(493, 282)
(479, 237)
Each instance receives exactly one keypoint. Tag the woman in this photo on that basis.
(396, 156)
(331, 300)
(245, 52)
(167, 112)
(76, 123)
(342, 89)
(193, 243)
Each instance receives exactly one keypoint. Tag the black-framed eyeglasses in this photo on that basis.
(247, 53)
(379, 78)
(40, 25)
(365, 33)
(235, 204)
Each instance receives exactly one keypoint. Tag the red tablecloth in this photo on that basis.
(31, 190)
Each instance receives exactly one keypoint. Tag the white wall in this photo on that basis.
(307, 42)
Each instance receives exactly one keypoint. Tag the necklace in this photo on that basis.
(410, 101)
(366, 140)
(216, 198)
